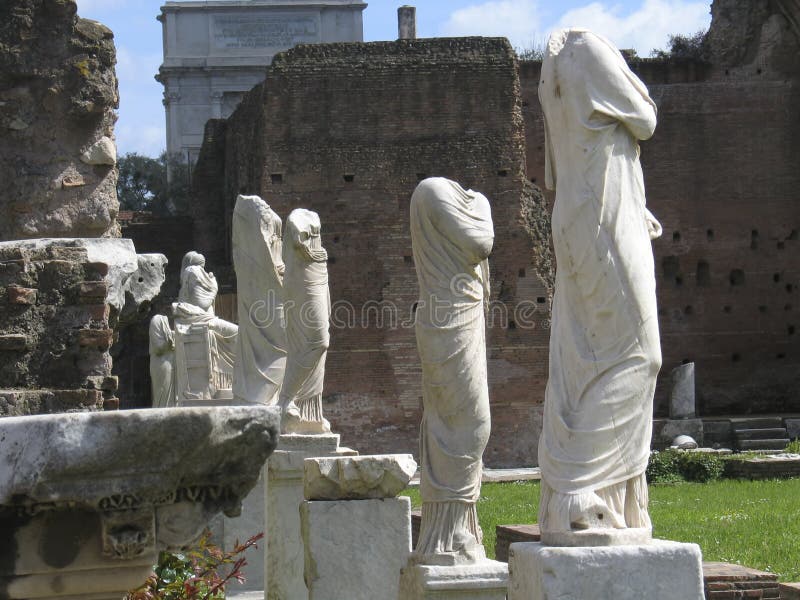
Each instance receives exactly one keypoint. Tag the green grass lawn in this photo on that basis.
(752, 523)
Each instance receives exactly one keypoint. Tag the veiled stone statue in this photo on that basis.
(205, 345)
(307, 308)
(261, 344)
(451, 236)
(604, 341)
(162, 362)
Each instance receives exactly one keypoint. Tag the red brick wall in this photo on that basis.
(56, 330)
(348, 131)
(722, 176)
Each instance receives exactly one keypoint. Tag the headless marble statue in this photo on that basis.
(204, 369)
(604, 342)
(261, 343)
(307, 307)
(451, 237)
(162, 362)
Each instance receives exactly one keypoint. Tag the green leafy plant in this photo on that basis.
(793, 447)
(672, 466)
(700, 466)
(664, 467)
(195, 574)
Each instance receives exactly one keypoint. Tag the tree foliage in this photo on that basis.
(685, 46)
(143, 184)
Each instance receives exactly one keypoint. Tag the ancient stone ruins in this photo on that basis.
(371, 262)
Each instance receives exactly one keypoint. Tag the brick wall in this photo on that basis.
(55, 332)
(757, 468)
(721, 176)
(348, 131)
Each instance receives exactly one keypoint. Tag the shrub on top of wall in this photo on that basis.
(663, 467)
(672, 466)
(701, 467)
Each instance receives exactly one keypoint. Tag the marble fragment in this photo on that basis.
(357, 477)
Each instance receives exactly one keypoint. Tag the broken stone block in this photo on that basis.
(14, 342)
(357, 477)
(101, 338)
(102, 152)
(21, 295)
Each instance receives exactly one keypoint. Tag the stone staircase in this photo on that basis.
(759, 433)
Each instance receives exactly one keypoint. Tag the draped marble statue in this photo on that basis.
(205, 345)
(162, 362)
(604, 342)
(451, 238)
(307, 309)
(261, 343)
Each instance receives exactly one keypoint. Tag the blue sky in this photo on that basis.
(639, 24)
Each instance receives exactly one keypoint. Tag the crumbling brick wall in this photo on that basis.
(348, 130)
(58, 92)
(56, 331)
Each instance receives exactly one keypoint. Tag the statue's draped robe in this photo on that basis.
(196, 306)
(261, 343)
(451, 236)
(604, 342)
(162, 362)
(308, 309)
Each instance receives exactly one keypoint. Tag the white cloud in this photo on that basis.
(515, 19)
(147, 139)
(644, 29)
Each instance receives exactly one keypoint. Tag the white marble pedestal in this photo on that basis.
(239, 529)
(355, 548)
(659, 570)
(284, 494)
(484, 580)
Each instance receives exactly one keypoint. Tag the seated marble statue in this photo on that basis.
(162, 362)
(604, 341)
(204, 343)
(307, 311)
(451, 237)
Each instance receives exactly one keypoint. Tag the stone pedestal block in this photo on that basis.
(355, 548)
(484, 580)
(283, 564)
(660, 570)
(238, 529)
(681, 397)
